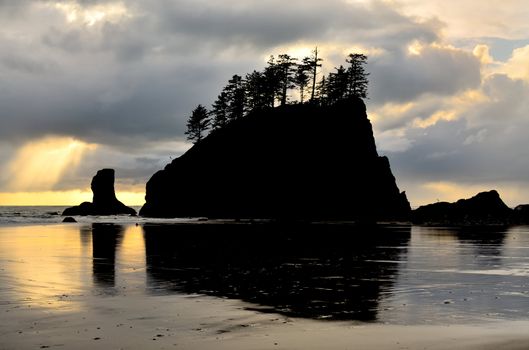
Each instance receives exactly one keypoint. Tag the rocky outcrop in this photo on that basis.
(485, 208)
(104, 200)
(291, 162)
(521, 214)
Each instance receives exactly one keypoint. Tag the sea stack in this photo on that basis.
(521, 214)
(104, 200)
(301, 161)
(485, 208)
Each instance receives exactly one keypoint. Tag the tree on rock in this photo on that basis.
(313, 62)
(337, 85)
(197, 124)
(301, 78)
(357, 75)
(220, 111)
(272, 82)
(236, 97)
(347, 82)
(257, 96)
(286, 67)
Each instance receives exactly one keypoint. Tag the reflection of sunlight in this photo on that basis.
(36, 278)
(132, 256)
(51, 267)
(40, 165)
(424, 236)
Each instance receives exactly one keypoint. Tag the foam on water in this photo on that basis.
(42, 215)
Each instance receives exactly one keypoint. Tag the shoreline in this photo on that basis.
(62, 286)
(203, 322)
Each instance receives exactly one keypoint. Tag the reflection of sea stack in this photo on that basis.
(106, 240)
(104, 201)
(296, 161)
(282, 267)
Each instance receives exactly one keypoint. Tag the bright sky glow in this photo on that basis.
(91, 14)
(39, 165)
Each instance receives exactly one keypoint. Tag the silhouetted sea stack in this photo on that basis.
(104, 200)
(292, 162)
(485, 208)
(69, 219)
(521, 214)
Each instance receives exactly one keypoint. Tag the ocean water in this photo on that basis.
(408, 275)
(39, 215)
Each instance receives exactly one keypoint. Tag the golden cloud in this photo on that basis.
(40, 164)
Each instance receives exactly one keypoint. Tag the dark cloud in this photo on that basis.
(264, 24)
(128, 83)
(400, 76)
(27, 65)
(273, 23)
(135, 79)
(488, 144)
(127, 107)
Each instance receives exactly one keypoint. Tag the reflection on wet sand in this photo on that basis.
(398, 274)
(457, 275)
(316, 271)
(106, 239)
(428, 281)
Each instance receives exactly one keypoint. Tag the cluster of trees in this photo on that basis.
(282, 75)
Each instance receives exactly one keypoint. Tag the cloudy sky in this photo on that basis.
(87, 84)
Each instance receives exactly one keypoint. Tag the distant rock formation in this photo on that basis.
(483, 209)
(104, 201)
(292, 162)
(521, 214)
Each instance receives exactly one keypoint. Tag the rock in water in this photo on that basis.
(69, 219)
(292, 162)
(483, 209)
(104, 200)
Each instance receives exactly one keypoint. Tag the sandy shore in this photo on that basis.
(199, 322)
(58, 289)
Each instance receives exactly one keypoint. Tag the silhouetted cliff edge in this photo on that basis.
(292, 162)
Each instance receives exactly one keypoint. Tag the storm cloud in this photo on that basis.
(138, 75)
(124, 75)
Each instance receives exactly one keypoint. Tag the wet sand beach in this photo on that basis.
(197, 322)
(240, 287)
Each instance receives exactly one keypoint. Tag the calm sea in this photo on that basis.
(382, 274)
(36, 215)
